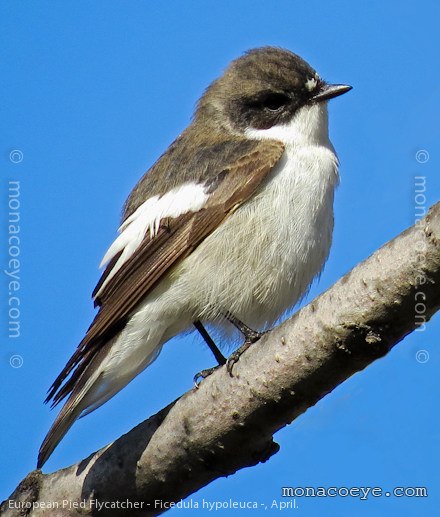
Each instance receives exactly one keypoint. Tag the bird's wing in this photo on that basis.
(118, 292)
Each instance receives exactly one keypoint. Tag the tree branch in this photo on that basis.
(229, 422)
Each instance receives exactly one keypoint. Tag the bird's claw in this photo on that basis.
(251, 338)
(198, 377)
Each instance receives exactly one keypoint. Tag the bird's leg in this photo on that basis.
(220, 358)
(250, 336)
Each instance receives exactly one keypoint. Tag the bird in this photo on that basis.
(229, 227)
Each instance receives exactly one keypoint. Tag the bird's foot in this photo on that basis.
(249, 334)
(251, 337)
(198, 377)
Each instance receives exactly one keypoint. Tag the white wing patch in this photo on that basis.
(189, 197)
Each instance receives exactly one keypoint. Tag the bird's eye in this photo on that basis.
(274, 101)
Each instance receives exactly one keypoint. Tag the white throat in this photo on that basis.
(309, 126)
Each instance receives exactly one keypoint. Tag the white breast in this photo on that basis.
(264, 256)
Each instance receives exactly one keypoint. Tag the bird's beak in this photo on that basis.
(328, 91)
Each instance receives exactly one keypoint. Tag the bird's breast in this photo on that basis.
(262, 259)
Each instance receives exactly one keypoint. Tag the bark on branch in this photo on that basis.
(229, 422)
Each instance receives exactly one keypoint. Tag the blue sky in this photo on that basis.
(92, 93)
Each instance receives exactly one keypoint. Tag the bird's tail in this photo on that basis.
(93, 388)
(62, 424)
(77, 402)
